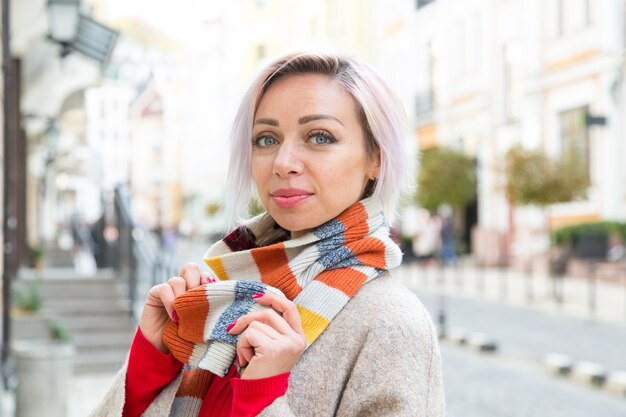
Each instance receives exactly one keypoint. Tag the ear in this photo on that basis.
(373, 171)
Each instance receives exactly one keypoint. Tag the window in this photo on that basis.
(510, 100)
(461, 52)
(433, 70)
(261, 52)
(426, 99)
(572, 15)
(575, 136)
(587, 12)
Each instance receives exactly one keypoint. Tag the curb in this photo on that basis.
(480, 342)
(616, 383)
(587, 373)
(458, 336)
(558, 364)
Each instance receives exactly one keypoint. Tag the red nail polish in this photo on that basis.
(174, 316)
(231, 325)
(258, 295)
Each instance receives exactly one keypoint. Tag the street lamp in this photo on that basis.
(77, 32)
(63, 18)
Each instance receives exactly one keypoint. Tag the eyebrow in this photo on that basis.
(302, 120)
(309, 118)
(271, 122)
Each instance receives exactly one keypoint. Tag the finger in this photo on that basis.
(244, 356)
(162, 295)
(269, 331)
(266, 316)
(191, 274)
(285, 307)
(248, 342)
(178, 285)
(153, 299)
(254, 338)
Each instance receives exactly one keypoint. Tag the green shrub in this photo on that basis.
(59, 332)
(27, 296)
(566, 236)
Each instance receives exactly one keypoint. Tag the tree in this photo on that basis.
(445, 176)
(532, 178)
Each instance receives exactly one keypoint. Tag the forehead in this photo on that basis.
(304, 92)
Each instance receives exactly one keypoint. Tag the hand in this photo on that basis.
(269, 343)
(159, 305)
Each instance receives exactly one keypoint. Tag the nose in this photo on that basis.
(288, 159)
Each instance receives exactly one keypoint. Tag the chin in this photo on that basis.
(292, 226)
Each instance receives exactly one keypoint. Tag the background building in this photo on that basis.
(547, 75)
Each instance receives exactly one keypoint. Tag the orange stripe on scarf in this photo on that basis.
(184, 348)
(354, 220)
(368, 251)
(274, 267)
(195, 383)
(192, 310)
(346, 280)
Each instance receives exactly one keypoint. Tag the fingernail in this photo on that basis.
(174, 316)
(231, 325)
(209, 280)
(258, 295)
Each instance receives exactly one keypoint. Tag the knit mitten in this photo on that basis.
(200, 338)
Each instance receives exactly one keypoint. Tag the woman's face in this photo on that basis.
(309, 160)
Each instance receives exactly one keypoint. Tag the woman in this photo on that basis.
(305, 319)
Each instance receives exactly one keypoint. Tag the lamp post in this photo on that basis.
(13, 180)
(63, 19)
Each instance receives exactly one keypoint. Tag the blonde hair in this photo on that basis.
(382, 117)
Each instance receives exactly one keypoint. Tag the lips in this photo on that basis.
(290, 197)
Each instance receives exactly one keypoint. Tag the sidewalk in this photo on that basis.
(87, 391)
(579, 297)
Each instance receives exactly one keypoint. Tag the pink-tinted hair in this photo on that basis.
(382, 117)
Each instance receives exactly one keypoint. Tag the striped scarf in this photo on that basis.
(320, 271)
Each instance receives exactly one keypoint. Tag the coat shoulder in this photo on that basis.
(385, 302)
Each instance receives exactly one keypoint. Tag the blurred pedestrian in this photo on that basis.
(448, 239)
(427, 239)
(616, 251)
(306, 319)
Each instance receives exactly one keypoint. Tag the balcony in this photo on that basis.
(422, 3)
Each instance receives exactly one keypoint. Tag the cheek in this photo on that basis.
(347, 174)
(259, 182)
(258, 171)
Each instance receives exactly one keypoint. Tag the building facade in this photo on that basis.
(544, 74)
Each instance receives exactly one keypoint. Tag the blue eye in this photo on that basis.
(322, 138)
(264, 141)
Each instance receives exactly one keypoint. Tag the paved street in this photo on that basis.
(530, 334)
(512, 382)
(479, 385)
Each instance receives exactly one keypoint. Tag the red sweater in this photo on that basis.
(150, 370)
